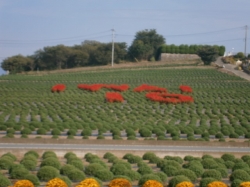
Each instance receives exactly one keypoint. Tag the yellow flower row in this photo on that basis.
(119, 182)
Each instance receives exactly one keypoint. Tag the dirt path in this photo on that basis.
(231, 68)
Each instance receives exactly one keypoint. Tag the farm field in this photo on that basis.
(220, 111)
(200, 171)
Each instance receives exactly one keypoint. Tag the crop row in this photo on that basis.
(72, 169)
(220, 108)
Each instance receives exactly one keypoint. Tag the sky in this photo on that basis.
(29, 25)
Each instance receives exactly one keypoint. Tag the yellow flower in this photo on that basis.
(245, 184)
(90, 182)
(119, 182)
(56, 182)
(185, 184)
(23, 183)
(217, 184)
(152, 183)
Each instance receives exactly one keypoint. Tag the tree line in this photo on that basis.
(146, 46)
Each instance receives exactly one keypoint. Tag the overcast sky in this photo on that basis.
(30, 25)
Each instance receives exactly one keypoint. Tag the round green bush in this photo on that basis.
(47, 154)
(56, 132)
(223, 172)
(145, 169)
(104, 174)
(26, 131)
(41, 131)
(133, 175)
(107, 155)
(92, 168)
(47, 173)
(134, 159)
(31, 152)
(6, 163)
(69, 154)
(236, 183)
(76, 175)
(178, 179)
(10, 155)
(148, 155)
(66, 168)
(118, 169)
(188, 173)
(169, 170)
(229, 164)
(212, 173)
(66, 180)
(51, 161)
(147, 177)
(209, 163)
(228, 157)
(205, 181)
(4, 181)
(145, 132)
(77, 163)
(188, 158)
(33, 178)
(245, 158)
(197, 169)
(86, 132)
(240, 165)
(19, 173)
(162, 176)
(240, 174)
(29, 164)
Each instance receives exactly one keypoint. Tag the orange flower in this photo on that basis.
(245, 184)
(152, 183)
(185, 184)
(90, 182)
(56, 182)
(219, 184)
(23, 183)
(120, 182)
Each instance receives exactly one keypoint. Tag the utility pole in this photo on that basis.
(112, 58)
(246, 40)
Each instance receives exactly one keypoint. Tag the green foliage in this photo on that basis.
(28, 163)
(76, 175)
(228, 157)
(104, 175)
(51, 161)
(212, 173)
(47, 154)
(205, 181)
(188, 173)
(208, 54)
(240, 174)
(19, 173)
(92, 168)
(145, 45)
(178, 179)
(33, 178)
(47, 173)
(147, 177)
(209, 163)
(145, 169)
(65, 169)
(31, 152)
(5, 162)
(4, 181)
(236, 183)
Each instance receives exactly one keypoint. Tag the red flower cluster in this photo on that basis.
(169, 98)
(97, 87)
(114, 97)
(186, 89)
(145, 87)
(58, 88)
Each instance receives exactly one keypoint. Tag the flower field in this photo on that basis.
(161, 103)
(108, 170)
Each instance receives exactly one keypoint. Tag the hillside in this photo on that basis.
(220, 109)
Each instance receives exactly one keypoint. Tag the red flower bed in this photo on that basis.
(145, 87)
(58, 88)
(186, 89)
(97, 87)
(114, 97)
(169, 98)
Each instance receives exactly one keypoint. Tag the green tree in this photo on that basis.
(145, 45)
(208, 54)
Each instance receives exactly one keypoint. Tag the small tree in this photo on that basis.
(47, 173)
(208, 54)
